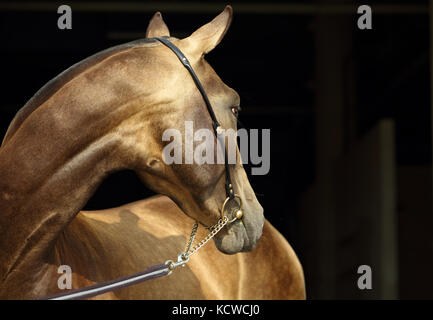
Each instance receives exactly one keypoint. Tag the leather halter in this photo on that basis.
(215, 124)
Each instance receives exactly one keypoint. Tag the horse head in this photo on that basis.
(198, 189)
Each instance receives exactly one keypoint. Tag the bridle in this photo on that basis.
(215, 124)
(168, 267)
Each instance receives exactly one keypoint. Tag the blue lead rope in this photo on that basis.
(153, 272)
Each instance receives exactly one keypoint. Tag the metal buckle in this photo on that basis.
(238, 213)
(182, 259)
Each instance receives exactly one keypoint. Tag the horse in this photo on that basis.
(105, 114)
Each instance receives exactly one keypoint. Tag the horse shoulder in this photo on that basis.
(103, 245)
(272, 269)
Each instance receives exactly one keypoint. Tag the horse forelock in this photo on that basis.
(55, 84)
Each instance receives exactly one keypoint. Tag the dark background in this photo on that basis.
(328, 91)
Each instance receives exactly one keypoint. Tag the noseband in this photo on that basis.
(215, 125)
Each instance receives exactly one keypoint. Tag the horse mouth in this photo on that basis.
(239, 236)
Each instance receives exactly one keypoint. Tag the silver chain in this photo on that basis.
(191, 238)
(214, 230)
(183, 258)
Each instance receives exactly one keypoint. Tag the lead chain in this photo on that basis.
(191, 238)
(183, 258)
(215, 229)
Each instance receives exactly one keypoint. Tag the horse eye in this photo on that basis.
(235, 111)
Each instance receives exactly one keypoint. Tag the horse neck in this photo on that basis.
(45, 181)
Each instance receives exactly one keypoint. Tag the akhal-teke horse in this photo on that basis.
(105, 114)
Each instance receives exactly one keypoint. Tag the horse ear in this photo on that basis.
(157, 27)
(208, 36)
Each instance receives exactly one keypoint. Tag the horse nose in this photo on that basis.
(253, 222)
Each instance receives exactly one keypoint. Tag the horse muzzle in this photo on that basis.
(244, 229)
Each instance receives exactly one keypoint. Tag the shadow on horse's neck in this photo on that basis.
(47, 176)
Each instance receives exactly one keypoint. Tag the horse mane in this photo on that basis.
(52, 86)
